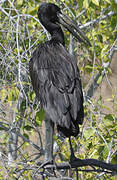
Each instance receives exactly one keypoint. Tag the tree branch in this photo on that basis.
(112, 168)
(111, 13)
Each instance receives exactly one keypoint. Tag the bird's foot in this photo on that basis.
(49, 168)
(74, 159)
(46, 163)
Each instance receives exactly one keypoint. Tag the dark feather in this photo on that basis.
(54, 73)
(56, 81)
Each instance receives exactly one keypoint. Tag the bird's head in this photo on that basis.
(50, 16)
(48, 11)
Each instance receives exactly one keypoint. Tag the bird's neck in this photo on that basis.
(57, 35)
(55, 31)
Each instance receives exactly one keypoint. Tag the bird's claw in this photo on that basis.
(74, 159)
(49, 162)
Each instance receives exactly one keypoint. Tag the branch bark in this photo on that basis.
(112, 168)
(111, 13)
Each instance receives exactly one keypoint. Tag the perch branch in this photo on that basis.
(86, 162)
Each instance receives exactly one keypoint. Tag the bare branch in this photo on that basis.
(111, 13)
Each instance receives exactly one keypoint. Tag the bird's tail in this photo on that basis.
(73, 130)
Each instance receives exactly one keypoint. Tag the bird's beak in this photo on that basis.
(73, 28)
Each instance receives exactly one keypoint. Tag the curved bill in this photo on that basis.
(73, 28)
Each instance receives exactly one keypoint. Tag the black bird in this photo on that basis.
(55, 77)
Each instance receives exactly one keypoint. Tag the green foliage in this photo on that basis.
(39, 117)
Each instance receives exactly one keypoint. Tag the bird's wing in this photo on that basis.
(56, 81)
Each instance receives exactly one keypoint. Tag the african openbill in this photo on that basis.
(55, 77)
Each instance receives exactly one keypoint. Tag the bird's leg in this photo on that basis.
(72, 157)
(49, 129)
(49, 126)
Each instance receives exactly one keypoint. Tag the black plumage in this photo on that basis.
(55, 76)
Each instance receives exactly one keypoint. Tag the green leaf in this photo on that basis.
(86, 4)
(23, 106)
(105, 152)
(109, 120)
(96, 2)
(109, 117)
(33, 11)
(114, 159)
(89, 68)
(31, 95)
(80, 3)
(1, 128)
(89, 132)
(40, 115)
(28, 128)
(19, 2)
(3, 94)
(26, 135)
(99, 79)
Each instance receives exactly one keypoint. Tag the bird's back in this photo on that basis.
(56, 81)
